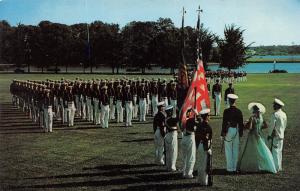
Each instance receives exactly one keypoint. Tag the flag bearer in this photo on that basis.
(203, 137)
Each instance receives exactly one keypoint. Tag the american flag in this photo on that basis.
(197, 96)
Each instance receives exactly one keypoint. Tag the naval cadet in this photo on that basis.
(232, 130)
(159, 133)
(203, 137)
(171, 141)
(217, 96)
(229, 90)
(276, 132)
(189, 145)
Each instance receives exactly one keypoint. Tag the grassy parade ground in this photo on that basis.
(86, 157)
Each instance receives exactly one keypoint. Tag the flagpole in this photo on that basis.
(88, 41)
(182, 37)
(199, 49)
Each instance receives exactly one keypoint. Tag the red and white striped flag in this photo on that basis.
(197, 96)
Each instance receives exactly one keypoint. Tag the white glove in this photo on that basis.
(209, 151)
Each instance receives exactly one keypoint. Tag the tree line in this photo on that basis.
(138, 45)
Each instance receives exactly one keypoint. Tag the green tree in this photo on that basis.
(232, 48)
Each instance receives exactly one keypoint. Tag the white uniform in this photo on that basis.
(112, 107)
(278, 124)
(173, 102)
(119, 111)
(104, 115)
(89, 109)
(48, 118)
(202, 171)
(171, 149)
(142, 105)
(128, 105)
(154, 101)
(135, 107)
(232, 141)
(218, 99)
(71, 113)
(159, 147)
(97, 111)
(188, 153)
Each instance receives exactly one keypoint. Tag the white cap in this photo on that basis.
(260, 106)
(204, 111)
(232, 96)
(169, 107)
(278, 101)
(159, 104)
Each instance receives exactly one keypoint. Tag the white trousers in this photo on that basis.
(277, 153)
(71, 113)
(202, 171)
(84, 108)
(104, 115)
(128, 113)
(97, 112)
(218, 99)
(78, 105)
(148, 103)
(188, 154)
(89, 109)
(112, 108)
(48, 118)
(154, 101)
(159, 147)
(171, 150)
(173, 102)
(120, 111)
(165, 99)
(232, 141)
(135, 107)
(142, 105)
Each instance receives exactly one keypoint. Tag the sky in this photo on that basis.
(266, 22)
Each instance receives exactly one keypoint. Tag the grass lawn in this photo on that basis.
(86, 157)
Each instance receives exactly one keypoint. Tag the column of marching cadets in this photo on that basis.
(95, 101)
(100, 101)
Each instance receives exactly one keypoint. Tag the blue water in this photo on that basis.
(264, 67)
(278, 57)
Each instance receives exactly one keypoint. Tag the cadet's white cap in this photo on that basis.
(232, 96)
(160, 104)
(278, 101)
(204, 111)
(260, 106)
(169, 107)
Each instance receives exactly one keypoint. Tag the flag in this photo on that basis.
(197, 96)
(183, 76)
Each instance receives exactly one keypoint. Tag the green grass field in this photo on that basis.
(85, 157)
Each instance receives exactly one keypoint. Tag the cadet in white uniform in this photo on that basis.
(203, 141)
(276, 132)
(171, 139)
(232, 130)
(189, 146)
(128, 106)
(159, 133)
(104, 101)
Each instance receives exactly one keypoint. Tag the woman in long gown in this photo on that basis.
(256, 156)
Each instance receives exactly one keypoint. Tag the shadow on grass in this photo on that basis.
(142, 179)
(111, 173)
(144, 187)
(137, 140)
(120, 167)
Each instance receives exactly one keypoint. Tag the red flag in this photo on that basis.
(197, 96)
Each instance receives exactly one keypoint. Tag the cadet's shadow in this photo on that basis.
(136, 140)
(120, 166)
(111, 173)
(22, 132)
(186, 186)
(140, 177)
